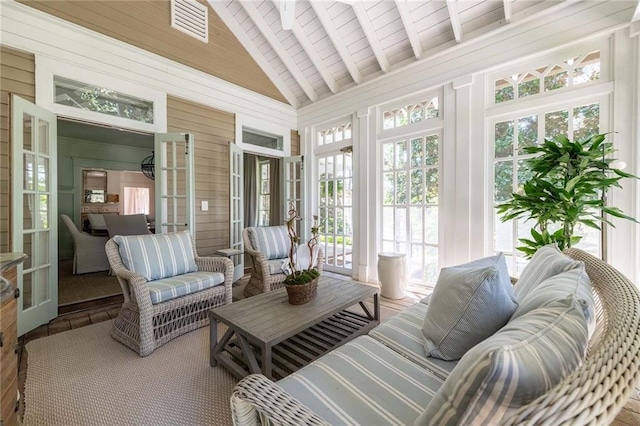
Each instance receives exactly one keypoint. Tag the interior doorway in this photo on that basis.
(262, 190)
(98, 173)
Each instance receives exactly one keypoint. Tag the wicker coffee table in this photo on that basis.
(268, 335)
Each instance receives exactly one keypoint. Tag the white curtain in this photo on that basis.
(136, 200)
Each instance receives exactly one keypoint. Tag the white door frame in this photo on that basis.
(236, 207)
(43, 262)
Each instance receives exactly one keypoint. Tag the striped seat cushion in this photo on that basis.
(545, 263)
(272, 241)
(363, 383)
(403, 333)
(157, 256)
(181, 285)
(522, 361)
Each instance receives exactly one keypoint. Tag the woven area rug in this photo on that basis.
(84, 377)
(83, 287)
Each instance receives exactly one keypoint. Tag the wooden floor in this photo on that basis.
(107, 309)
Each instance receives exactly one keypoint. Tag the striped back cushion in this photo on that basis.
(272, 241)
(522, 361)
(545, 263)
(575, 282)
(157, 256)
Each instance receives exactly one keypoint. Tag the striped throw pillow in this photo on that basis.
(575, 282)
(522, 361)
(469, 303)
(545, 263)
(157, 256)
(272, 241)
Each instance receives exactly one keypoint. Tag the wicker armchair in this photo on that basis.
(143, 326)
(262, 280)
(593, 394)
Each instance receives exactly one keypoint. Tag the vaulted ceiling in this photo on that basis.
(335, 45)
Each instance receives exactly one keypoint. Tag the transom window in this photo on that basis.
(334, 134)
(573, 71)
(511, 171)
(88, 97)
(410, 197)
(410, 114)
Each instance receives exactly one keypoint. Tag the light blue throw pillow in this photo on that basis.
(525, 359)
(470, 302)
(157, 256)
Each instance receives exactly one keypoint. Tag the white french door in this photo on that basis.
(236, 205)
(293, 184)
(175, 210)
(34, 211)
(335, 205)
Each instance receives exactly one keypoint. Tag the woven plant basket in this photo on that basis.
(299, 294)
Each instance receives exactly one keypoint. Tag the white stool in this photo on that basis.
(392, 274)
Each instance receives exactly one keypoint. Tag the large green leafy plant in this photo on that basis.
(565, 191)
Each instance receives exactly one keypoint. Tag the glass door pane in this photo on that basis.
(335, 205)
(174, 182)
(410, 193)
(35, 177)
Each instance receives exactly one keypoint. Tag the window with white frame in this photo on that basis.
(410, 114)
(334, 166)
(573, 114)
(335, 208)
(573, 71)
(410, 199)
(264, 172)
(89, 97)
(334, 134)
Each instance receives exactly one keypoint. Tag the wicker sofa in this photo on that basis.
(168, 289)
(386, 378)
(268, 248)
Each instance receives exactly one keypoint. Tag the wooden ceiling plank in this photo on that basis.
(370, 34)
(452, 7)
(280, 50)
(332, 31)
(508, 11)
(233, 25)
(312, 53)
(409, 27)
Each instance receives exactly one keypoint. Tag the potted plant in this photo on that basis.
(301, 283)
(566, 189)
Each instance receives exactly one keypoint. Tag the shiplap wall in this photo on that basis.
(295, 143)
(17, 75)
(147, 25)
(212, 130)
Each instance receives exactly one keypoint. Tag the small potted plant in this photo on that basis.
(301, 283)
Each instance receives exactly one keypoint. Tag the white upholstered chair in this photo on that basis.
(88, 250)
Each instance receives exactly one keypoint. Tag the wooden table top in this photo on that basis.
(269, 318)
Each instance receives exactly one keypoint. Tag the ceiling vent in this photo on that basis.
(190, 17)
